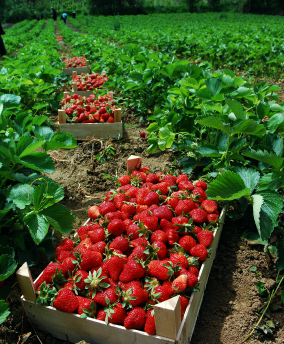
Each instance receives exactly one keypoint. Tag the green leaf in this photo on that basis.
(53, 193)
(250, 127)
(249, 176)
(253, 269)
(8, 266)
(236, 108)
(59, 217)
(4, 311)
(27, 145)
(61, 141)
(280, 262)
(38, 161)
(257, 204)
(214, 86)
(43, 133)
(271, 181)
(37, 225)
(209, 150)
(261, 288)
(152, 127)
(272, 204)
(228, 186)
(276, 123)
(262, 109)
(214, 122)
(265, 157)
(166, 142)
(21, 195)
(10, 100)
(204, 94)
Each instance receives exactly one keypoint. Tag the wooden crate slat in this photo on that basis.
(79, 70)
(100, 130)
(83, 93)
(71, 327)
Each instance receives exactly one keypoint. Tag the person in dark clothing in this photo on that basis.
(64, 17)
(2, 46)
(73, 15)
(54, 14)
(39, 17)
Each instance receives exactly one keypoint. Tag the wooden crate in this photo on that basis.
(71, 327)
(85, 93)
(79, 70)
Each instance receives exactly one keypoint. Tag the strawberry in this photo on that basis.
(191, 279)
(162, 249)
(159, 235)
(172, 202)
(115, 314)
(132, 270)
(116, 227)
(187, 242)
(94, 212)
(66, 301)
(69, 264)
(196, 230)
(61, 255)
(184, 207)
(141, 195)
(199, 251)
(199, 194)
(83, 231)
(164, 292)
(165, 225)
(150, 325)
(163, 187)
(135, 319)
(115, 265)
(132, 231)
(179, 259)
(205, 238)
(141, 241)
(135, 296)
(152, 198)
(152, 178)
(128, 208)
(139, 253)
(198, 216)
(182, 177)
(53, 272)
(170, 179)
(99, 247)
(193, 269)
(150, 222)
(113, 215)
(173, 236)
(119, 243)
(102, 296)
(180, 283)
(143, 134)
(132, 191)
(86, 306)
(183, 305)
(185, 185)
(119, 200)
(140, 175)
(97, 235)
(66, 245)
(87, 258)
(212, 218)
(163, 212)
(125, 286)
(160, 269)
(179, 222)
(145, 169)
(201, 184)
(80, 276)
(86, 243)
(107, 207)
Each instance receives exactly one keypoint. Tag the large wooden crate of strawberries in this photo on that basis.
(92, 116)
(152, 295)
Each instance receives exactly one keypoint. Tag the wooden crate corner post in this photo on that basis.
(117, 115)
(26, 282)
(168, 317)
(74, 86)
(110, 94)
(134, 163)
(87, 62)
(61, 116)
(65, 94)
(74, 73)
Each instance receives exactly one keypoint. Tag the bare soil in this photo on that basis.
(231, 301)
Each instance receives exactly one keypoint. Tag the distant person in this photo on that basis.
(73, 15)
(39, 17)
(54, 14)
(2, 46)
(139, 9)
(64, 17)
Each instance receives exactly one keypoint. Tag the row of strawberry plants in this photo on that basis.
(238, 41)
(216, 121)
(29, 201)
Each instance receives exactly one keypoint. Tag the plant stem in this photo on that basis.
(268, 303)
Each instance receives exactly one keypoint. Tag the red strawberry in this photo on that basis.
(187, 242)
(136, 292)
(119, 199)
(172, 202)
(196, 230)
(116, 314)
(132, 231)
(140, 175)
(185, 185)
(141, 195)
(86, 243)
(119, 243)
(69, 265)
(159, 235)
(87, 258)
(109, 293)
(165, 225)
(132, 191)
(183, 305)
(61, 255)
(141, 241)
(212, 218)
(173, 236)
(180, 283)
(170, 179)
(150, 325)
(139, 253)
(85, 305)
(51, 272)
(94, 212)
(107, 207)
(199, 193)
(158, 269)
(184, 207)
(66, 245)
(115, 265)
(179, 259)
(163, 187)
(145, 169)
(135, 319)
(99, 247)
(66, 301)
(131, 271)
(129, 208)
(199, 251)
(162, 252)
(179, 222)
(205, 238)
(80, 277)
(191, 280)
(198, 216)
(193, 269)
(116, 227)
(182, 177)
(97, 235)
(152, 198)
(152, 178)
(151, 222)
(143, 134)
(165, 292)
(113, 215)
(201, 184)
(83, 231)
(163, 212)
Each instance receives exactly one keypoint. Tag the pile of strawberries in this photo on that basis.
(90, 109)
(75, 62)
(88, 82)
(144, 244)
(59, 38)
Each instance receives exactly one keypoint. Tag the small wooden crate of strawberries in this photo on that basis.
(137, 270)
(77, 64)
(90, 116)
(86, 83)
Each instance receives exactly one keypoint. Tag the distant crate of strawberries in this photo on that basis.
(78, 64)
(136, 264)
(88, 82)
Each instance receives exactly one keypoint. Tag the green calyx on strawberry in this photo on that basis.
(89, 312)
(58, 278)
(46, 294)
(94, 282)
